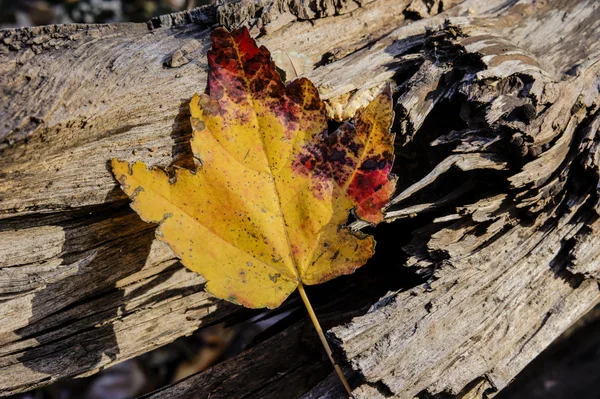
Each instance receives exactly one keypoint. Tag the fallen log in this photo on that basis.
(497, 203)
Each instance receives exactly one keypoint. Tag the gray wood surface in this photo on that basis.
(497, 127)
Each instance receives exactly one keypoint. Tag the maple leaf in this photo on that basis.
(266, 210)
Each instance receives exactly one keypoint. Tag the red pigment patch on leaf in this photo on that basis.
(239, 68)
(357, 157)
(331, 156)
(372, 189)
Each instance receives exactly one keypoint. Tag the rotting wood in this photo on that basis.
(506, 260)
(74, 258)
(509, 107)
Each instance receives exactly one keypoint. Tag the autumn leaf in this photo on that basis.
(266, 210)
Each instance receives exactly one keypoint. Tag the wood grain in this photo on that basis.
(497, 203)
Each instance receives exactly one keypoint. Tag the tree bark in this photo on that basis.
(497, 204)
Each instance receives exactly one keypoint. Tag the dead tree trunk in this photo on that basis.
(497, 209)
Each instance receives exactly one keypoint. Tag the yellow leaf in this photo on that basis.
(267, 208)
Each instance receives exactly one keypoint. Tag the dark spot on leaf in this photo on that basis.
(335, 255)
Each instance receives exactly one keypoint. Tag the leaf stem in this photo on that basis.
(315, 322)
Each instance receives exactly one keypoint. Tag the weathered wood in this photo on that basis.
(75, 262)
(497, 157)
(512, 264)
